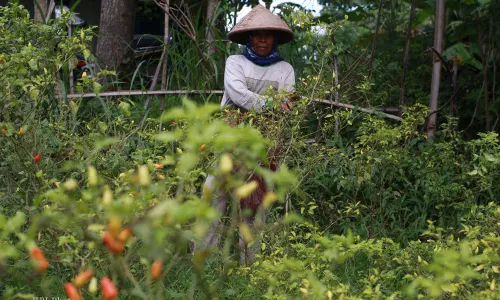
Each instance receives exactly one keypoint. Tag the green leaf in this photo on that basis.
(86, 54)
(7, 251)
(96, 86)
(124, 108)
(489, 157)
(100, 144)
(473, 172)
(166, 137)
(464, 53)
(15, 222)
(33, 64)
(187, 162)
(3, 221)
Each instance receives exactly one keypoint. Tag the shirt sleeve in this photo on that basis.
(290, 80)
(237, 90)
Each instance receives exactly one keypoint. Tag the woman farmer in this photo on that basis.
(247, 77)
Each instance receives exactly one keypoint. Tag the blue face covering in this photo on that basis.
(269, 59)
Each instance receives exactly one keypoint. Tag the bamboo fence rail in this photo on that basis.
(219, 92)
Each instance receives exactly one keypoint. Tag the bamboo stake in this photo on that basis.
(71, 67)
(153, 84)
(166, 35)
(52, 5)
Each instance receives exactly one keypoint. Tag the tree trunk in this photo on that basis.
(436, 68)
(405, 62)
(40, 15)
(116, 32)
(209, 33)
(377, 28)
(268, 3)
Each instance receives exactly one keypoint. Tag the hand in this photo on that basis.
(286, 106)
(293, 98)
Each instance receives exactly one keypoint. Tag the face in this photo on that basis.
(262, 41)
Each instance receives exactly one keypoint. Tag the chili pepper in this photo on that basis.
(72, 292)
(42, 264)
(156, 269)
(37, 157)
(82, 278)
(124, 235)
(113, 245)
(108, 289)
(93, 286)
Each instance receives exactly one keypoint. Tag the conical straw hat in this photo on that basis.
(260, 18)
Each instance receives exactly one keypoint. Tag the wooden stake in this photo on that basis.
(71, 67)
(166, 35)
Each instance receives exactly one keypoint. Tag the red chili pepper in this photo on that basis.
(156, 269)
(72, 292)
(37, 157)
(108, 289)
(174, 123)
(82, 278)
(42, 264)
(124, 235)
(113, 245)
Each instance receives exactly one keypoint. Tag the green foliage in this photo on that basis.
(315, 265)
(375, 212)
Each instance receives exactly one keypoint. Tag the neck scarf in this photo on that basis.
(269, 59)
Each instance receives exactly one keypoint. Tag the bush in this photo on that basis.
(376, 211)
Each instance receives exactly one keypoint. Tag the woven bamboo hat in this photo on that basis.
(260, 18)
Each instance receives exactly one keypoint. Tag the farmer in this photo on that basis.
(247, 77)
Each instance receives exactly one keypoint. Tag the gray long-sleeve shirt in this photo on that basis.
(246, 82)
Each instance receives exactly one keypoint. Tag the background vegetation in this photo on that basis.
(363, 207)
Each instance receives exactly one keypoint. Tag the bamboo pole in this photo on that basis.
(70, 66)
(166, 35)
(140, 92)
(52, 5)
(219, 92)
(436, 68)
(153, 83)
(365, 110)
